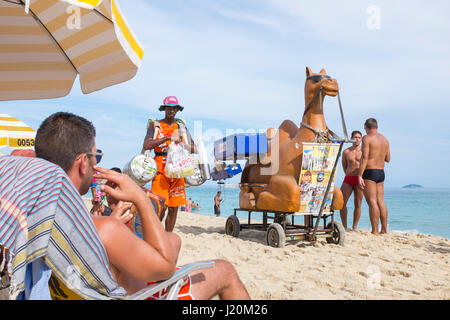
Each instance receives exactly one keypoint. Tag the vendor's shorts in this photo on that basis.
(172, 189)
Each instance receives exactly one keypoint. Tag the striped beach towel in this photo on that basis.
(42, 215)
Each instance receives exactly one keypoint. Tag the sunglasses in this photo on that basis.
(98, 155)
(318, 77)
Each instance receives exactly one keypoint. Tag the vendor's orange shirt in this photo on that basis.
(164, 131)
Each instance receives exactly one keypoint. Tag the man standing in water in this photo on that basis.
(351, 158)
(158, 138)
(375, 152)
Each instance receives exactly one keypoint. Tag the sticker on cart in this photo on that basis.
(317, 164)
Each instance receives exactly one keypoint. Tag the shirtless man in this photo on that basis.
(69, 141)
(375, 152)
(351, 158)
(217, 202)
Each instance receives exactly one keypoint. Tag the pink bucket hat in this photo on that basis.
(170, 101)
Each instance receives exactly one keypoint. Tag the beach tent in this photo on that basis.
(15, 134)
(45, 44)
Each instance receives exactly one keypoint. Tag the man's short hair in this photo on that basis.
(356, 132)
(62, 137)
(116, 170)
(371, 123)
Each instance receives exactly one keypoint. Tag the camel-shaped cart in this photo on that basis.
(315, 207)
(295, 176)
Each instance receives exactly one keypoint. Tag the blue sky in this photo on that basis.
(240, 64)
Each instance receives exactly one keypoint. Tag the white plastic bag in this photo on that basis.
(179, 162)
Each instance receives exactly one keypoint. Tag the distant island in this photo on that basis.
(412, 186)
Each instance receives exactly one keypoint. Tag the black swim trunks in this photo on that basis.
(216, 210)
(376, 175)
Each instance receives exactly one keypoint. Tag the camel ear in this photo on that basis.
(323, 71)
(308, 71)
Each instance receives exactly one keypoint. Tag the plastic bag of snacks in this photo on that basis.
(179, 162)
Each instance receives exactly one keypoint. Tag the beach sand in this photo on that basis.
(392, 266)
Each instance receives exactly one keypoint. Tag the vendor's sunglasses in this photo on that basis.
(318, 77)
(98, 155)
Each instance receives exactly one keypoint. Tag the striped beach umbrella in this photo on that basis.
(15, 134)
(44, 44)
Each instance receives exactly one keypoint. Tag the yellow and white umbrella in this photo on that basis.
(44, 44)
(15, 134)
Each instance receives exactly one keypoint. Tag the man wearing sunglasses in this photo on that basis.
(69, 141)
(95, 188)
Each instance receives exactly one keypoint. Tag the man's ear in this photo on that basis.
(83, 164)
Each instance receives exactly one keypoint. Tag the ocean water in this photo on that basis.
(425, 211)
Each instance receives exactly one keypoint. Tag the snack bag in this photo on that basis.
(179, 162)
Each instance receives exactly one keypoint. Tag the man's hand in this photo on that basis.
(361, 182)
(125, 190)
(121, 212)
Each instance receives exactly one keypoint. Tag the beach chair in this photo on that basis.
(168, 289)
(171, 286)
(174, 284)
(54, 233)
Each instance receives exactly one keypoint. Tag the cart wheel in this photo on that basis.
(338, 234)
(275, 236)
(232, 226)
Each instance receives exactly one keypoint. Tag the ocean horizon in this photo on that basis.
(414, 211)
(423, 210)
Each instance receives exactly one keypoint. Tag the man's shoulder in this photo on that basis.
(30, 165)
(152, 122)
(349, 149)
(378, 137)
(368, 138)
(107, 225)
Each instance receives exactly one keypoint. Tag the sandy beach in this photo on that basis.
(392, 266)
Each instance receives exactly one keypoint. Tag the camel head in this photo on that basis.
(316, 80)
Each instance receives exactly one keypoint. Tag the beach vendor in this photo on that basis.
(160, 134)
(73, 240)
